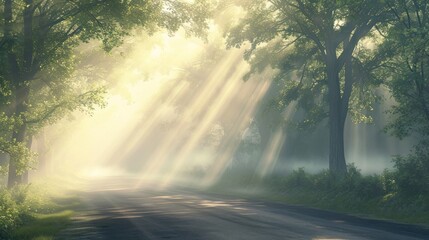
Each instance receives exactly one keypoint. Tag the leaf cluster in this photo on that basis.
(58, 27)
(292, 37)
(408, 66)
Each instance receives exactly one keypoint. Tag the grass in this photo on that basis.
(356, 194)
(43, 226)
(372, 208)
(36, 211)
(404, 211)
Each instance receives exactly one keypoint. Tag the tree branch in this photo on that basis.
(357, 36)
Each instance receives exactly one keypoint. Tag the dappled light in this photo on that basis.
(200, 119)
(169, 114)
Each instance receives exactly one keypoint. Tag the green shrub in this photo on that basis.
(388, 180)
(401, 193)
(299, 178)
(17, 206)
(238, 176)
(324, 180)
(412, 172)
(9, 213)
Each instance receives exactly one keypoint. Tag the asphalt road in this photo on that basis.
(116, 212)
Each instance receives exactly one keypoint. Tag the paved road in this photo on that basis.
(120, 213)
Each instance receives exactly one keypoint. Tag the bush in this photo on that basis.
(325, 180)
(354, 183)
(401, 193)
(239, 175)
(18, 204)
(299, 178)
(9, 213)
(388, 181)
(411, 175)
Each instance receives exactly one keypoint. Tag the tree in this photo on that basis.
(408, 66)
(316, 47)
(407, 69)
(39, 37)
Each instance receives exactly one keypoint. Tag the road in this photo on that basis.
(115, 212)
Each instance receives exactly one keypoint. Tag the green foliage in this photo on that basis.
(411, 176)
(9, 213)
(63, 96)
(294, 37)
(45, 61)
(43, 226)
(388, 180)
(298, 178)
(16, 150)
(32, 207)
(400, 193)
(408, 68)
(15, 205)
(363, 187)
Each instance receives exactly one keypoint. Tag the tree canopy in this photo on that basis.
(318, 50)
(37, 52)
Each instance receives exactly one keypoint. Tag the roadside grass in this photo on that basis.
(37, 211)
(43, 226)
(372, 196)
(396, 208)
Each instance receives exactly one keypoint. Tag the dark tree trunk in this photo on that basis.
(25, 177)
(19, 134)
(20, 76)
(42, 151)
(337, 161)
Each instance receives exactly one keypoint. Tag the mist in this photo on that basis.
(177, 107)
(200, 119)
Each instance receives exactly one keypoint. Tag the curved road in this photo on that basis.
(114, 212)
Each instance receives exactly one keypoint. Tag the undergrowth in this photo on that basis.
(27, 210)
(398, 194)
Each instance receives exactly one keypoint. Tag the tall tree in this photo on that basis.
(313, 45)
(40, 35)
(407, 69)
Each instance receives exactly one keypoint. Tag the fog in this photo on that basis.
(178, 106)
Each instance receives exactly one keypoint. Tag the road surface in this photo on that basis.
(117, 212)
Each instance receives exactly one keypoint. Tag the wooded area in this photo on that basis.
(328, 60)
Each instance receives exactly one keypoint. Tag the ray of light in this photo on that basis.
(227, 92)
(86, 133)
(113, 127)
(272, 151)
(128, 136)
(230, 145)
(141, 130)
(161, 157)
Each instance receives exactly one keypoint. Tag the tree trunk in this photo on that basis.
(21, 77)
(13, 177)
(42, 151)
(337, 161)
(25, 177)
(18, 134)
